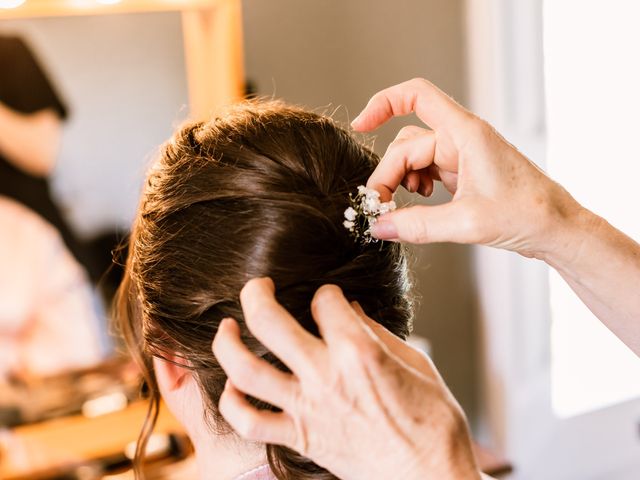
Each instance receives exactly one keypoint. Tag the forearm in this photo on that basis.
(31, 141)
(602, 266)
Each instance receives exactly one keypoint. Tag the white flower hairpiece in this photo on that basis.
(363, 213)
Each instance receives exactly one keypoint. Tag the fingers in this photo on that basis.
(448, 179)
(409, 131)
(458, 221)
(277, 330)
(432, 106)
(336, 319)
(404, 156)
(257, 425)
(426, 185)
(411, 182)
(398, 347)
(253, 375)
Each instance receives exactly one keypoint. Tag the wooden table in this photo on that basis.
(41, 449)
(38, 450)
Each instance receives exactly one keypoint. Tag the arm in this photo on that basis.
(602, 266)
(500, 199)
(30, 141)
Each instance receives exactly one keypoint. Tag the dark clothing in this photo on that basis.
(24, 85)
(25, 88)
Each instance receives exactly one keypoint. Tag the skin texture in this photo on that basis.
(226, 455)
(358, 373)
(30, 141)
(358, 393)
(500, 199)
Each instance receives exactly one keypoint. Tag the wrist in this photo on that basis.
(566, 235)
(454, 472)
(453, 460)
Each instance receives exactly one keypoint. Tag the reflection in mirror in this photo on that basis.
(84, 102)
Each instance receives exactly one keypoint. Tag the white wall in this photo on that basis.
(123, 79)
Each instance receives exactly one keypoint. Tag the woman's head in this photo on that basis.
(258, 191)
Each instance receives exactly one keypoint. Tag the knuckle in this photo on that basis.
(362, 350)
(373, 354)
(378, 98)
(406, 132)
(395, 145)
(418, 82)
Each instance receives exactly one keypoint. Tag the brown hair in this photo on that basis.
(258, 191)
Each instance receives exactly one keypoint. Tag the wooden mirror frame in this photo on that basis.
(212, 31)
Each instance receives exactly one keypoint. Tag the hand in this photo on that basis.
(359, 401)
(500, 198)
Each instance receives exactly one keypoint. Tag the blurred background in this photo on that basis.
(99, 84)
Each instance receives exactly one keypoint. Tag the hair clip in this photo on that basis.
(363, 213)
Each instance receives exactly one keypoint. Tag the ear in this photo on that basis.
(180, 392)
(170, 374)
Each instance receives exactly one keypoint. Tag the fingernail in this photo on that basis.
(355, 120)
(384, 230)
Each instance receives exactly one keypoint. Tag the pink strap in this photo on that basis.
(263, 472)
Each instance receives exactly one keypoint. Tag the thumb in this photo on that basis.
(455, 221)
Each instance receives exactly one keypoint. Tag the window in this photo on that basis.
(592, 68)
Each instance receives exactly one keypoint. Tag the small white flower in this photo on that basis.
(387, 207)
(366, 204)
(371, 193)
(372, 204)
(350, 214)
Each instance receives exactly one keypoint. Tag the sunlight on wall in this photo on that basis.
(592, 68)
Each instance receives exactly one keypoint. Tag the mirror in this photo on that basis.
(88, 97)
